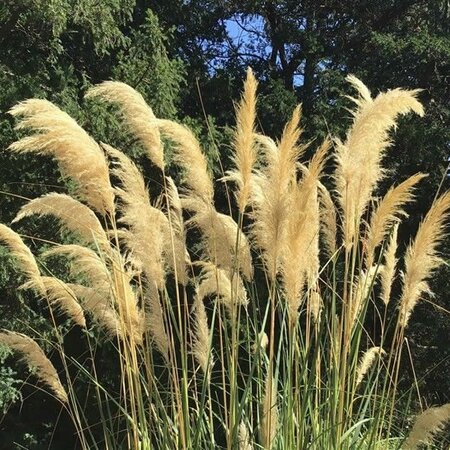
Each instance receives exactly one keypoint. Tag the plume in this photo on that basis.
(421, 256)
(33, 355)
(154, 320)
(201, 342)
(244, 143)
(216, 281)
(269, 423)
(98, 304)
(366, 362)
(431, 421)
(386, 212)
(359, 171)
(188, 154)
(244, 437)
(22, 254)
(271, 192)
(220, 232)
(145, 224)
(327, 219)
(137, 115)
(84, 261)
(125, 301)
(75, 216)
(390, 263)
(300, 251)
(62, 296)
(78, 155)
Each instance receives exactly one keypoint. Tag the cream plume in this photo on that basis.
(75, 217)
(78, 155)
(33, 355)
(244, 143)
(23, 255)
(359, 170)
(422, 257)
(137, 115)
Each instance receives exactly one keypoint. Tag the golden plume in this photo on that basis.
(99, 305)
(155, 320)
(359, 171)
(23, 255)
(75, 216)
(146, 224)
(78, 155)
(431, 421)
(137, 115)
(216, 281)
(366, 362)
(33, 355)
(188, 154)
(386, 212)
(390, 263)
(421, 256)
(327, 219)
(244, 143)
(271, 192)
(300, 251)
(221, 234)
(85, 261)
(201, 338)
(62, 296)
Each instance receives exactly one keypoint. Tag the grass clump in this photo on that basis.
(245, 330)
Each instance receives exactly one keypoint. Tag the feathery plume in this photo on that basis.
(220, 232)
(216, 281)
(84, 261)
(421, 256)
(98, 304)
(386, 212)
(244, 437)
(78, 155)
(137, 115)
(126, 302)
(188, 154)
(366, 362)
(426, 425)
(300, 251)
(327, 219)
(269, 423)
(146, 224)
(244, 143)
(201, 342)
(359, 170)
(62, 296)
(75, 216)
(23, 255)
(271, 192)
(33, 355)
(154, 319)
(390, 263)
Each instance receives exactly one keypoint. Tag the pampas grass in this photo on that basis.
(422, 258)
(255, 335)
(426, 425)
(33, 355)
(59, 136)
